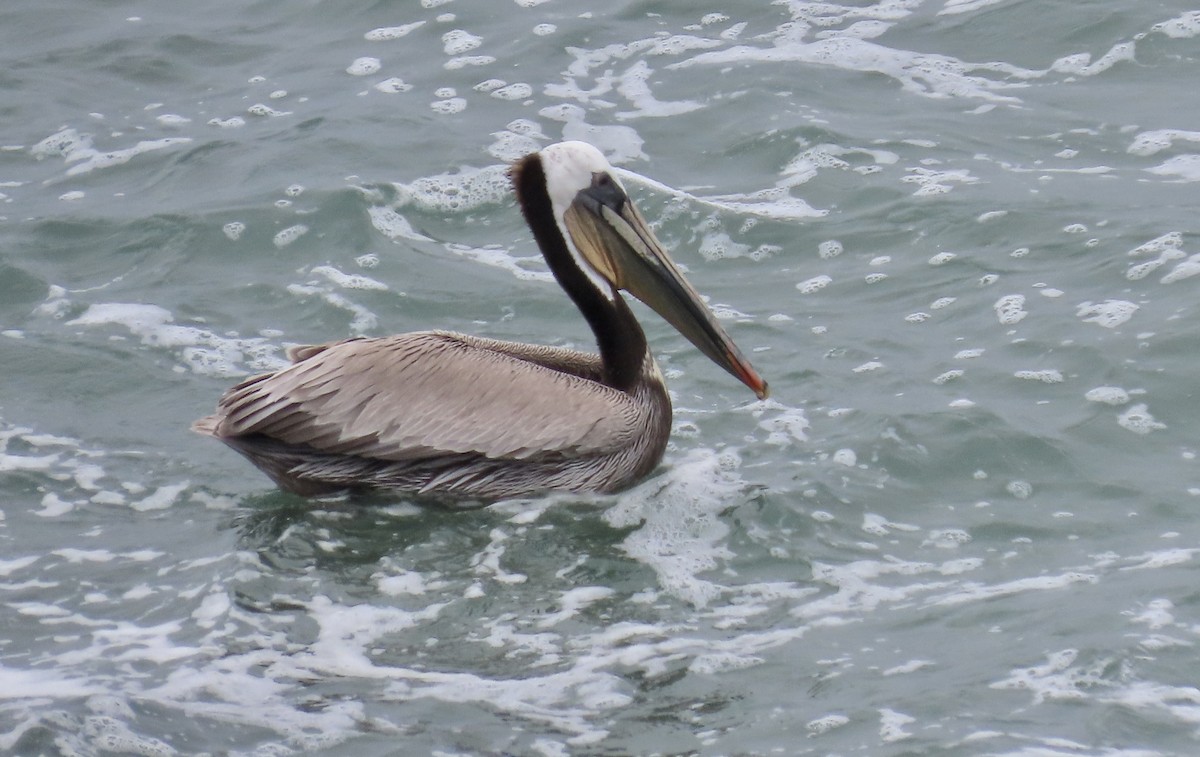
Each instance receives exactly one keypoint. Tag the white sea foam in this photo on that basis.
(459, 41)
(524, 267)
(1183, 167)
(1167, 247)
(1161, 559)
(77, 149)
(463, 61)
(1157, 140)
(348, 280)
(197, 349)
(965, 6)
(815, 284)
(634, 86)
(891, 726)
(829, 249)
(459, 192)
(266, 111)
(858, 588)
(868, 367)
(1109, 314)
(1170, 240)
(162, 497)
(1184, 26)
(806, 165)
(920, 73)
(1139, 420)
(520, 138)
(911, 666)
(1047, 681)
(1108, 395)
(980, 592)
(825, 723)
(1046, 376)
(285, 237)
(19, 684)
(449, 106)
(1081, 64)
(1010, 309)
(1183, 270)
(517, 91)
(575, 600)
(393, 85)
(362, 320)
(619, 143)
(934, 182)
(388, 33)
(364, 66)
(172, 120)
(682, 535)
(389, 222)
(774, 203)
(846, 457)
(786, 427)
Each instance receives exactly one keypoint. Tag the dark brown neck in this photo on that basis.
(620, 338)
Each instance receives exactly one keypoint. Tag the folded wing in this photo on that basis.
(428, 394)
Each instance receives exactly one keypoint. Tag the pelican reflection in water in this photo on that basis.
(453, 415)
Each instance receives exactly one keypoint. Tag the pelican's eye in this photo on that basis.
(607, 189)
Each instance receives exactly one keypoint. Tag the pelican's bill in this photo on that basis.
(608, 230)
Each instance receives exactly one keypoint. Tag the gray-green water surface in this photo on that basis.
(958, 237)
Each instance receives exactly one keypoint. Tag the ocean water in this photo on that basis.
(958, 237)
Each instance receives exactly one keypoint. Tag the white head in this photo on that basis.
(569, 167)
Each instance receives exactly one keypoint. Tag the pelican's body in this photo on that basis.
(445, 414)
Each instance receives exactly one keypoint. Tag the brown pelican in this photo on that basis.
(451, 415)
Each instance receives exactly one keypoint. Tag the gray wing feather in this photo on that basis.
(430, 394)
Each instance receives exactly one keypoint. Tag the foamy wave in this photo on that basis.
(681, 532)
(274, 665)
(920, 73)
(197, 349)
(77, 150)
(774, 203)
